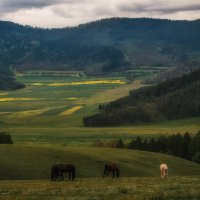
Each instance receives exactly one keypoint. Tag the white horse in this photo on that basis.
(163, 171)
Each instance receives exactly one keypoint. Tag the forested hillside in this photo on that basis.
(173, 99)
(7, 79)
(103, 46)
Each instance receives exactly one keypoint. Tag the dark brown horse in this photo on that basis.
(111, 168)
(69, 168)
(57, 172)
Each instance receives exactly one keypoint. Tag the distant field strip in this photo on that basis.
(89, 82)
(2, 94)
(71, 110)
(37, 84)
(29, 113)
(19, 99)
(71, 98)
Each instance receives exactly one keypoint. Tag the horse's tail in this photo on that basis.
(73, 172)
(52, 173)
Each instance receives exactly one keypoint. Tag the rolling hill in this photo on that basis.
(174, 99)
(101, 47)
(20, 162)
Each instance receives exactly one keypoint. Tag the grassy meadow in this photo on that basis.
(45, 122)
(51, 107)
(147, 188)
(24, 162)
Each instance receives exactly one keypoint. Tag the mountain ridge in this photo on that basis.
(101, 47)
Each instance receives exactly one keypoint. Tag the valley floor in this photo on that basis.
(146, 188)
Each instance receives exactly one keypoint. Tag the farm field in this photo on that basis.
(50, 110)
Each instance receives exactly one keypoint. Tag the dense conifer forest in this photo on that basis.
(183, 146)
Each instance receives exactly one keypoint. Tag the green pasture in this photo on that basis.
(43, 137)
(25, 174)
(34, 162)
(83, 136)
(33, 115)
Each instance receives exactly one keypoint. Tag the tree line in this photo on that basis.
(5, 138)
(183, 146)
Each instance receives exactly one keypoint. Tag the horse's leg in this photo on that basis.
(107, 172)
(61, 176)
(161, 173)
(104, 173)
(166, 173)
(113, 173)
(69, 175)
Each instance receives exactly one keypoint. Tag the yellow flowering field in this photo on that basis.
(3, 94)
(88, 82)
(71, 110)
(29, 113)
(71, 98)
(37, 84)
(18, 99)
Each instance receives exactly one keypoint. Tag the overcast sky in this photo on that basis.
(62, 13)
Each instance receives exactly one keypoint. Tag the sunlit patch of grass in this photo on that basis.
(71, 98)
(89, 82)
(29, 113)
(4, 113)
(37, 84)
(19, 99)
(4, 93)
(71, 110)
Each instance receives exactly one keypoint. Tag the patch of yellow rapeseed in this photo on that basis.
(28, 113)
(37, 84)
(71, 110)
(18, 99)
(71, 98)
(2, 94)
(88, 82)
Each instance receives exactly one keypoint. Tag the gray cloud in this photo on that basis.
(158, 6)
(179, 9)
(15, 5)
(61, 13)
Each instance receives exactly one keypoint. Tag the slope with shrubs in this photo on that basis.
(173, 99)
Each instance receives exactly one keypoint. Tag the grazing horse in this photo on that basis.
(56, 174)
(69, 168)
(163, 171)
(58, 170)
(111, 168)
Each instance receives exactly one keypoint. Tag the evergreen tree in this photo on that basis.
(186, 142)
(5, 138)
(120, 144)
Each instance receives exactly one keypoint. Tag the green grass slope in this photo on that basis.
(34, 162)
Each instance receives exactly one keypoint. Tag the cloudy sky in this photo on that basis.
(62, 13)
